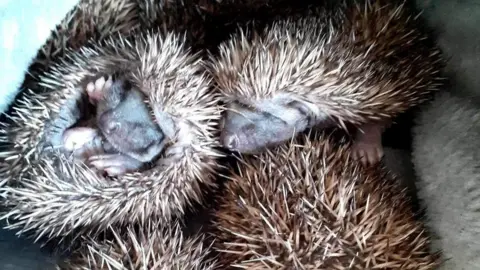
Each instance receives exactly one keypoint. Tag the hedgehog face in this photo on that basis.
(141, 141)
(127, 125)
(249, 130)
(268, 81)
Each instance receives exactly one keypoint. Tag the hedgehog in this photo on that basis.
(307, 205)
(350, 64)
(445, 159)
(50, 194)
(153, 246)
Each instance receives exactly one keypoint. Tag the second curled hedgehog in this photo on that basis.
(307, 205)
(51, 195)
(347, 63)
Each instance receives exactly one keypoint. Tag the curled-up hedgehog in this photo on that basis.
(150, 247)
(445, 156)
(307, 205)
(345, 63)
(127, 79)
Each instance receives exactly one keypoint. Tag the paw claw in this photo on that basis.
(172, 155)
(108, 82)
(367, 147)
(97, 164)
(367, 154)
(96, 89)
(99, 83)
(90, 87)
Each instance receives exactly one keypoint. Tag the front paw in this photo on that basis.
(367, 147)
(368, 153)
(172, 155)
(96, 90)
(115, 164)
(82, 142)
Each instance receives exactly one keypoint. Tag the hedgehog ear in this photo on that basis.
(308, 111)
(311, 112)
(295, 112)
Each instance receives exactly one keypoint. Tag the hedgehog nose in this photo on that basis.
(230, 141)
(112, 127)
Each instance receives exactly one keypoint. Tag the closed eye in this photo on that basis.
(253, 109)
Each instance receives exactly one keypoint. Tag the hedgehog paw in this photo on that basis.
(96, 89)
(115, 164)
(77, 138)
(367, 146)
(81, 142)
(172, 155)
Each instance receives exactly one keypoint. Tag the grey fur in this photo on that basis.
(446, 155)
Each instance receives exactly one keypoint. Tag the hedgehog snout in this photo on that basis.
(108, 124)
(245, 142)
(230, 140)
(239, 132)
(111, 127)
